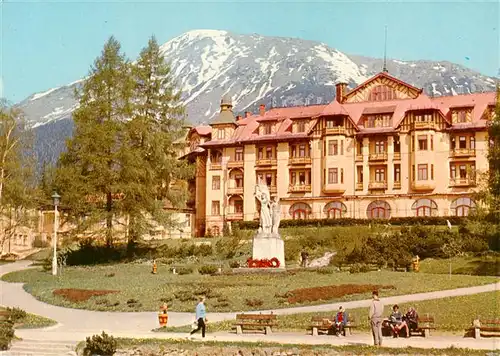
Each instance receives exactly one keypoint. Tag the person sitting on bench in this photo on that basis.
(411, 319)
(397, 323)
(340, 322)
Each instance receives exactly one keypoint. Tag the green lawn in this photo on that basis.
(224, 293)
(206, 348)
(453, 314)
(33, 321)
(469, 265)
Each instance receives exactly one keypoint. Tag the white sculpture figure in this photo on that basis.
(263, 196)
(276, 215)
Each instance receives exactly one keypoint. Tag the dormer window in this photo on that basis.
(301, 126)
(267, 129)
(383, 120)
(423, 117)
(221, 134)
(461, 116)
(381, 93)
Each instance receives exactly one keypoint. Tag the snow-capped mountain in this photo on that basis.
(255, 69)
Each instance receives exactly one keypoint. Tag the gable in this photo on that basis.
(382, 87)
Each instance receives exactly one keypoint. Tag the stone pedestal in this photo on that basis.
(269, 247)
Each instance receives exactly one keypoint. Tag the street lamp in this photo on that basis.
(55, 198)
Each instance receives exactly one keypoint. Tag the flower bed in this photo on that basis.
(264, 263)
(330, 292)
(81, 295)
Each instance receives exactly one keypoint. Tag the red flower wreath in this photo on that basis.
(264, 263)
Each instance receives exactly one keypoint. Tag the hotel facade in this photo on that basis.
(383, 149)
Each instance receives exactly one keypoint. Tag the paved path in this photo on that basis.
(85, 322)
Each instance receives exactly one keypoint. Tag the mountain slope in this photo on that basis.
(255, 69)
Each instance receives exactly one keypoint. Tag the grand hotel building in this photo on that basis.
(383, 149)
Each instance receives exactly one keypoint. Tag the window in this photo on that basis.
(380, 175)
(422, 172)
(221, 134)
(397, 173)
(378, 209)
(261, 153)
(452, 143)
(335, 210)
(215, 230)
(238, 179)
(238, 206)
(462, 116)
(342, 147)
(333, 147)
(238, 155)
(360, 148)
(269, 152)
(397, 145)
(423, 117)
(432, 172)
(453, 172)
(188, 220)
(341, 175)
(379, 146)
(302, 178)
(382, 92)
(431, 139)
(269, 179)
(422, 143)
(300, 211)
(462, 206)
(424, 207)
(378, 120)
(267, 129)
(472, 144)
(301, 126)
(462, 142)
(413, 172)
(215, 207)
(359, 171)
(216, 157)
(332, 176)
(215, 182)
(302, 150)
(413, 144)
(462, 171)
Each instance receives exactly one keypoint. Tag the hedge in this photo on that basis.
(412, 220)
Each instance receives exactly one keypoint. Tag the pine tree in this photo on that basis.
(16, 173)
(89, 172)
(150, 157)
(494, 159)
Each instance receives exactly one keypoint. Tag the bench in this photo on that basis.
(263, 322)
(485, 325)
(324, 324)
(424, 326)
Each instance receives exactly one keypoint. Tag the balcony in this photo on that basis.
(462, 152)
(234, 216)
(334, 188)
(423, 125)
(397, 185)
(300, 188)
(235, 164)
(377, 185)
(423, 185)
(215, 166)
(299, 160)
(397, 156)
(462, 182)
(359, 186)
(235, 190)
(337, 130)
(378, 156)
(266, 162)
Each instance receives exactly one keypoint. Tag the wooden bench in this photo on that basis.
(424, 326)
(485, 325)
(263, 322)
(324, 324)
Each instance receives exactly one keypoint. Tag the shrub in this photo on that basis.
(104, 345)
(16, 314)
(39, 243)
(208, 269)
(234, 264)
(254, 302)
(6, 334)
(185, 270)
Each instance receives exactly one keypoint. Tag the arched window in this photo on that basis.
(424, 207)
(300, 211)
(378, 209)
(215, 230)
(462, 206)
(335, 210)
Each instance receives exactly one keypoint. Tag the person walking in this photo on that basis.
(201, 318)
(376, 318)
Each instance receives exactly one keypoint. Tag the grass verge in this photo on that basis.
(205, 348)
(139, 290)
(453, 314)
(33, 321)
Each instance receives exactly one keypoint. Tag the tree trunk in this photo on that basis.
(109, 219)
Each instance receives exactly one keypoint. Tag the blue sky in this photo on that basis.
(45, 44)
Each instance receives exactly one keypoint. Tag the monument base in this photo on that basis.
(269, 247)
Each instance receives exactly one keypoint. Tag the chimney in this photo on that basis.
(262, 109)
(238, 117)
(247, 114)
(340, 91)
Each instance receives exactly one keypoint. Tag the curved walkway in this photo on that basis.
(78, 321)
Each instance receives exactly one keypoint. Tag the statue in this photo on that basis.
(263, 196)
(276, 215)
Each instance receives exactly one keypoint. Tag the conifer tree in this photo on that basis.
(89, 172)
(150, 158)
(494, 159)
